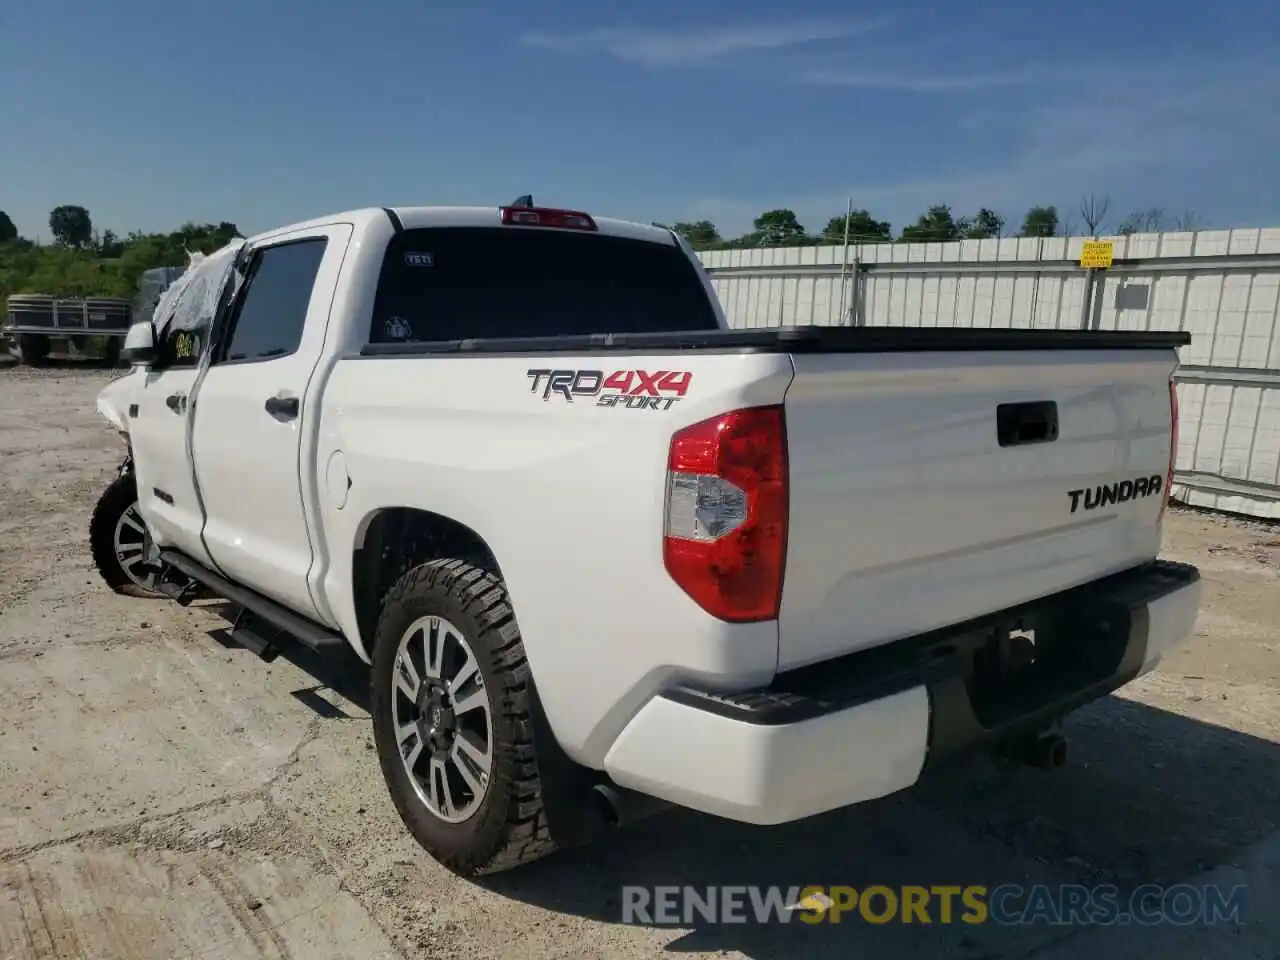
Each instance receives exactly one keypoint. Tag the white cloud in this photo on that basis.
(657, 48)
(864, 80)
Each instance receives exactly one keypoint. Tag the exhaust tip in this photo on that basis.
(1048, 751)
(1045, 751)
(618, 807)
(606, 803)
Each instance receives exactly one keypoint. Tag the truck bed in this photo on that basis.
(809, 339)
(920, 494)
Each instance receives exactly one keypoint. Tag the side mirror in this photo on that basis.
(139, 344)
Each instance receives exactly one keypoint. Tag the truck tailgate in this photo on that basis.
(917, 501)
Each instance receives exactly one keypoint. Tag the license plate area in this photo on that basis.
(1022, 662)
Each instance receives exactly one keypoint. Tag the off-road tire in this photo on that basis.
(510, 827)
(115, 500)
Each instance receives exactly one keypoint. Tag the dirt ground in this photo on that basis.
(163, 795)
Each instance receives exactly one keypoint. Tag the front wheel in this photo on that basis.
(119, 543)
(451, 718)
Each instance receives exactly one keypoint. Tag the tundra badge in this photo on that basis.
(1103, 496)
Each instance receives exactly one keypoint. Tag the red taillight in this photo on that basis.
(1173, 443)
(542, 217)
(725, 542)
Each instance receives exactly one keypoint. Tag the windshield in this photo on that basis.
(454, 283)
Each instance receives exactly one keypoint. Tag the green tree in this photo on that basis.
(1040, 222)
(8, 229)
(701, 234)
(203, 237)
(983, 225)
(71, 225)
(109, 245)
(937, 224)
(107, 267)
(863, 228)
(778, 228)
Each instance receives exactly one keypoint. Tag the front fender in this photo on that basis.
(114, 400)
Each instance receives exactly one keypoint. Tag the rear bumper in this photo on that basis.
(868, 724)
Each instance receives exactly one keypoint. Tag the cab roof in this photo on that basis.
(419, 217)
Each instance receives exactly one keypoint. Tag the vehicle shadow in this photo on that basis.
(1146, 796)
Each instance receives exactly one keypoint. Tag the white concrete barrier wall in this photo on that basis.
(1222, 286)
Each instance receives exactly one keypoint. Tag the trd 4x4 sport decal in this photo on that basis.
(632, 389)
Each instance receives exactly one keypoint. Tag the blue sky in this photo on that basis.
(268, 112)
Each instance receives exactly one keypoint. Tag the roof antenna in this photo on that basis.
(526, 201)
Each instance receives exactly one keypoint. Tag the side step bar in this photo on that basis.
(280, 619)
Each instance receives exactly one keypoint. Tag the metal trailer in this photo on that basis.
(34, 321)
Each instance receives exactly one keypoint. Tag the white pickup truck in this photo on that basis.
(605, 554)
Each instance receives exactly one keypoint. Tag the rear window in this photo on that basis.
(454, 283)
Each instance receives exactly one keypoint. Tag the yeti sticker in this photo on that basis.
(420, 259)
(397, 328)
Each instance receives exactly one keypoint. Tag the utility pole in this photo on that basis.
(844, 260)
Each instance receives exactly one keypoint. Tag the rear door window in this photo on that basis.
(455, 283)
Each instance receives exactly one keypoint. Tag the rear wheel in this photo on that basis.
(119, 542)
(451, 718)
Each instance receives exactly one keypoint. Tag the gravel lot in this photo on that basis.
(163, 795)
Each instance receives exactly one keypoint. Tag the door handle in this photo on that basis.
(177, 402)
(1022, 423)
(282, 408)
